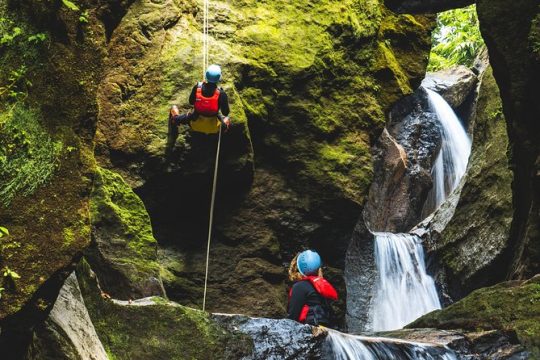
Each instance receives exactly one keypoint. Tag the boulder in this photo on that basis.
(156, 328)
(68, 332)
(398, 192)
(275, 339)
(123, 250)
(511, 307)
(454, 84)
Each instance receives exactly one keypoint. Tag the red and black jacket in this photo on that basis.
(309, 301)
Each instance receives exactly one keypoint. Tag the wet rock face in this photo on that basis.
(413, 139)
(471, 345)
(51, 224)
(275, 339)
(488, 309)
(360, 277)
(454, 84)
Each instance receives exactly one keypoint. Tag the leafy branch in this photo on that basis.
(456, 40)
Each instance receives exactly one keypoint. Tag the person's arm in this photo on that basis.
(297, 301)
(224, 103)
(193, 95)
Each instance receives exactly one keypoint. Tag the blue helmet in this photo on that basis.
(308, 262)
(213, 74)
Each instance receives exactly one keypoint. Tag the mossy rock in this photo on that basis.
(510, 306)
(47, 211)
(123, 251)
(310, 84)
(156, 328)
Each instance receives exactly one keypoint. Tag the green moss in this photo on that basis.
(118, 213)
(114, 201)
(28, 154)
(510, 306)
(162, 330)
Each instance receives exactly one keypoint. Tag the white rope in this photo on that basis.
(214, 184)
(205, 37)
(210, 223)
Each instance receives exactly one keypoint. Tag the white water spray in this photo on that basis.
(404, 291)
(451, 162)
(350, 347)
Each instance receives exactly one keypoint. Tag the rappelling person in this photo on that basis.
(311, 293)
(210, 108)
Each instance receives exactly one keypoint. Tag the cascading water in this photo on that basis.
(349, 347)
(451, 162)
(404, 291)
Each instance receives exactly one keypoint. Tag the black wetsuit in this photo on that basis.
(303, 293)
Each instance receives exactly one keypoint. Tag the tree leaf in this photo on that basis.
(3, 231)
(70, 5)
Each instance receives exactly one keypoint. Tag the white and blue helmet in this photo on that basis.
(308, 263)
(213, 74)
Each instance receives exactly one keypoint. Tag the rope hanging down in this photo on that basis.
(214, 184)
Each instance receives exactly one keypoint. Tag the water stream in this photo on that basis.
(451, 162)
(350, 347)
(404, 291)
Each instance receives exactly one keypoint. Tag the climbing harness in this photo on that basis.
(214, 184)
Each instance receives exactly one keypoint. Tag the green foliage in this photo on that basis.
(83, 18)
(70, 5)
(456, 40)
(23, 43)
(28, 155)
(10, 274)
(3, 232)
(7, 273)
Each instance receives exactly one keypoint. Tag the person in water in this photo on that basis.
(311, 293)
(210, 108)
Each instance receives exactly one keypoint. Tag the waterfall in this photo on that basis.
(404, 291)
(451, 162)
(349, 347)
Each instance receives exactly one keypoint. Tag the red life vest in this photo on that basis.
(206, 106)
(323, 287)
